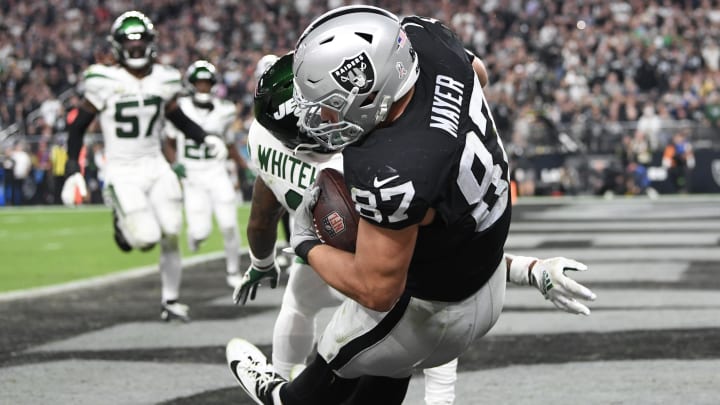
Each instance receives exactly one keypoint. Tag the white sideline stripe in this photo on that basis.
(106, 279)
(89, 382)
(661, 381)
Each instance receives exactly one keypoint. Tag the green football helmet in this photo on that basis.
(132, 37)
(200, 70)
(274, 107)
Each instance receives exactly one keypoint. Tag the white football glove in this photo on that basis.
(73, 182)
(303, 236)
(216, 147)
(548, 276)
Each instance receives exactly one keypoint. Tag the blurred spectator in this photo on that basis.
(42, 172)
(58, 158)
(592, 69)
(679, 160)
(649, 124)
(8, 165)
(712, 108)
(22, 167)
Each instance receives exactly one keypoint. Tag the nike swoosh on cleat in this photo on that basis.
(379, 183)
(233, 367)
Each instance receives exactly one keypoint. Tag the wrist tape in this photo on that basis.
(303, 249)
(265, 263)
(520, 266)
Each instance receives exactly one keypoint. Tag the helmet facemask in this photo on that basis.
(325, 120)
(200, 78)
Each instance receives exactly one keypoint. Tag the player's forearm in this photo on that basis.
(78, 122)
(182, 122)
(236, 157)
(170, 150)
(261, 239)
(480, 71)
(518, 268)
(265, 213)
(374, 290)
(376, 274)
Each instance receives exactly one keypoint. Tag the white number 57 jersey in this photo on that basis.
(131, 110)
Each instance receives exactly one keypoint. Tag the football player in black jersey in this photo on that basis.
(429, 177)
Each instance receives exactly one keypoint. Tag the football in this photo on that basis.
(336, 221)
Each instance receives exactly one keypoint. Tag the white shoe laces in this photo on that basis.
(264, 375)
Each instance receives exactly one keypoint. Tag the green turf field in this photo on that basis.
(41, 246)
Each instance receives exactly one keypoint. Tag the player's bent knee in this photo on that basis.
(200, 232)
(226, 216)
(141, 230)
(231, 235)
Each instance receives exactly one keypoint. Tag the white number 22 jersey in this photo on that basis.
(131, 110)
(216, 121)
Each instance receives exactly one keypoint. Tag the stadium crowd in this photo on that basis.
(617, 77)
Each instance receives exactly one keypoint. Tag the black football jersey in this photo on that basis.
(443, 152)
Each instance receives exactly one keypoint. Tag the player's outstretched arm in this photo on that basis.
(548, 276)
(78, 120)
(265, 213)
(192, 130)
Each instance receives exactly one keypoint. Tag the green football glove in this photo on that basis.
(179, 170)
(258, 272)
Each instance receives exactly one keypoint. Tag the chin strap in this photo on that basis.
(306, 148)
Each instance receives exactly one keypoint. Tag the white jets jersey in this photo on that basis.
(131, 110)
(216, 121)
(287, 174)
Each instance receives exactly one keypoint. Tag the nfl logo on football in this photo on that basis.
(333, 224)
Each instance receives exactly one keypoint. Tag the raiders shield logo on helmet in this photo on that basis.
(357, 71)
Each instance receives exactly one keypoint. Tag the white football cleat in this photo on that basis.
(234, 280)
(174, 310)
(251, 370)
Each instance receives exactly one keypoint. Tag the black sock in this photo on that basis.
(379, 391)
(318, 385)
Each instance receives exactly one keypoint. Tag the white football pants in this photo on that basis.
(147, 197)
(211, 191)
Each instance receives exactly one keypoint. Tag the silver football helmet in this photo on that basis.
(354, 61)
